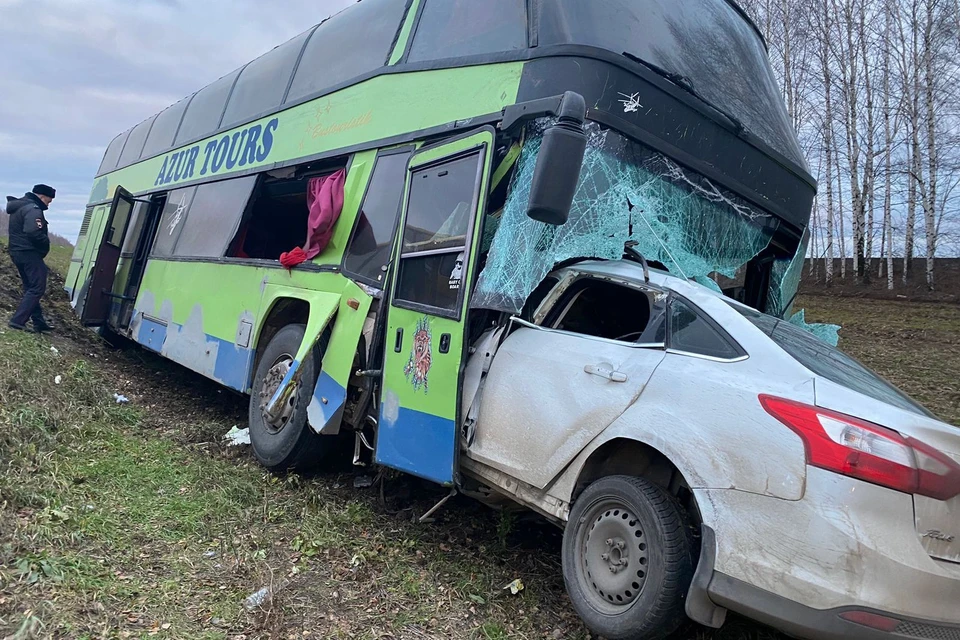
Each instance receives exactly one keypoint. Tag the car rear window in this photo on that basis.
(829, 362)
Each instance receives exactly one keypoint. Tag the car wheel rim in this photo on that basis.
(268, 387)
(613, 556)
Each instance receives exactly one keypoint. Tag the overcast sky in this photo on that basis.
(75, 73)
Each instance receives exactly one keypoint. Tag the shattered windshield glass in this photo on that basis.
(627, 192)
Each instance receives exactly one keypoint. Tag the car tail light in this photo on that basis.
(859, 449)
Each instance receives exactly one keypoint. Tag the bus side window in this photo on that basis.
(276, 221)
(368, 253)
(214, 216)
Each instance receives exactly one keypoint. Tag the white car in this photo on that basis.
(705, 457)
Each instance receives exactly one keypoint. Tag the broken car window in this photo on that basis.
(611, 311)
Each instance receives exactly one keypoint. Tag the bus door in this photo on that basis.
(137, 243)
(434, 268)
(96, 304)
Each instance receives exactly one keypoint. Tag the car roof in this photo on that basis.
(631, 271)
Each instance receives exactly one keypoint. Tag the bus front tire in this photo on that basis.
(287, 442)
(628, 559)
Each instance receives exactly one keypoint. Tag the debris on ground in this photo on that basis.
(55, 351)
(58, 380)
(237, 437)
(121, 399)
(257, 598)
(362, 482)
(514, 587)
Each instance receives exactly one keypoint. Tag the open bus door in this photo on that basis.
(97, 302)
(434, 264)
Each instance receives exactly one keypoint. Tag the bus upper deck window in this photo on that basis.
(451, 29)
(367, 30)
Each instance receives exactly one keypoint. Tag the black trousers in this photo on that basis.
(33, 273)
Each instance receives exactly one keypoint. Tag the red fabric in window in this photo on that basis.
(291, 259)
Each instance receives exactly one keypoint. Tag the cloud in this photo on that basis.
(84, 70)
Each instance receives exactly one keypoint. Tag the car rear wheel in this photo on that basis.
(628, 559)
(286, 441)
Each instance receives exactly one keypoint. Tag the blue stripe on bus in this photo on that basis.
(327, 402)
(418, 443)
(233, 365)
(152, 334)
(231, 368)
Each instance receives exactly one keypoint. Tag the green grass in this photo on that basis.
(112, 524)
(132, 521)
(916, 346)
(59, 259)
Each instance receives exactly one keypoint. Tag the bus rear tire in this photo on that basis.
(288, 442)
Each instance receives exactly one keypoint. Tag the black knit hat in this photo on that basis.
(45, 190)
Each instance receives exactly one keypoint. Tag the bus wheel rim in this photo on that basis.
(268, 387)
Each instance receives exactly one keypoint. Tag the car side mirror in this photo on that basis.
(557, 174)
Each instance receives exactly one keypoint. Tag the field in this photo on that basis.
(135, 521)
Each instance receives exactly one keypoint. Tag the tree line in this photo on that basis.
(873, 90)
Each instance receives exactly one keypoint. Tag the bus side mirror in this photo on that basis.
(557, 173)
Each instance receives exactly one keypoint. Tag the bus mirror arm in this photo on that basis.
(568, 105)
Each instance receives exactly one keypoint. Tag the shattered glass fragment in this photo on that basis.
(785, 277)
(829, 333)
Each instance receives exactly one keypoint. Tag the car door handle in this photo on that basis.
(605, 370)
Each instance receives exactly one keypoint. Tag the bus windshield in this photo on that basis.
(627, 192)
(709, 45)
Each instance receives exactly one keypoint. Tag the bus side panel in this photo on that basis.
(201, 315)
(208, 316)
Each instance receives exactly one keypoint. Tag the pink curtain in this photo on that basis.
(325, 201)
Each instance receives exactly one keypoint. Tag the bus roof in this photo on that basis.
(729, 70)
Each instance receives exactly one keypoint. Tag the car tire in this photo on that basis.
(290, 443)
(628, 559)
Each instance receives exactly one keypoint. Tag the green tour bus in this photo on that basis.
(432, 162)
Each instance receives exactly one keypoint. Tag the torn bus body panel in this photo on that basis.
(326, 409)
(323, 306)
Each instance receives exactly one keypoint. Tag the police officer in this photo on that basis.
(29, 245)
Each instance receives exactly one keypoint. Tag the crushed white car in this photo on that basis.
(704, 457)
